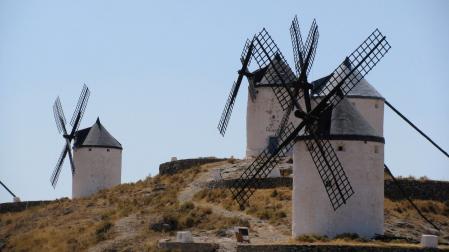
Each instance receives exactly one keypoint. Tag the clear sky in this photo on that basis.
(159, 73)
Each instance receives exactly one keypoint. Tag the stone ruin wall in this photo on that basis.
(417, 189)
(179, 165)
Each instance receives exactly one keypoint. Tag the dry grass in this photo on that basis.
(438, 211)
(75, 225)
(51, 227)
(348, 239)
(412, 224)
(311, 238)
(273, 205)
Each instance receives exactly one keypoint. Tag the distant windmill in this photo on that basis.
(68, 135)
(97, 156)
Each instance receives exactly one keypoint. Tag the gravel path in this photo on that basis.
(261, 231)
(123, 230)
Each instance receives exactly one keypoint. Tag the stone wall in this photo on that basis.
(260, 184)
(187, 246)
(179, 165)
(417, 189)
(326, 248)
(20, 206)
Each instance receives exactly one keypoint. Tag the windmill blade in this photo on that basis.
(79, 105)
(260, 168)
(297, 44)
(244, 54)
(7, 189)
(329, 167)
(335, 181)
(284, 121)
(227, 111)
(251, 84)
(279, 75)
(353, 69)
(72, 164)
(79, 110)
(310, 46)
(287, 112)
(59, 116)
(304, 55)
(226, 114)
(55, 175)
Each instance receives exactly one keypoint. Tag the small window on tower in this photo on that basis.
(376, 105)
(107, 150)
(90, 149)
(341, 148)
(273, 116)
(376, 149)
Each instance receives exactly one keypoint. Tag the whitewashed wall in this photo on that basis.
(95, 170)
(263, 117)
(312, 212)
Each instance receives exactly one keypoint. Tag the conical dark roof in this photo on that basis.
(346, 120)
(95, 136)
(346, 123)
(270, 73)
(362, 90)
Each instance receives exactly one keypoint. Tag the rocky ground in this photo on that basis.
(234, 168)
(134, 217)
(401, 220)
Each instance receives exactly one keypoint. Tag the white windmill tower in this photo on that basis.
(360, 150)
(97, 158)
(354, 128)
(264, 114)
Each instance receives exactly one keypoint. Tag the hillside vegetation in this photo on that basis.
(118, 218)
(135, 216)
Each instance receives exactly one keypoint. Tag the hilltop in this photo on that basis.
(135, 216)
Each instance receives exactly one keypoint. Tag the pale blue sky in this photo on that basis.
(159, 73)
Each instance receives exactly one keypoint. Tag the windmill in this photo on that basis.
(325, 94)
(68, 135)
(296, 96)
(263, 109)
